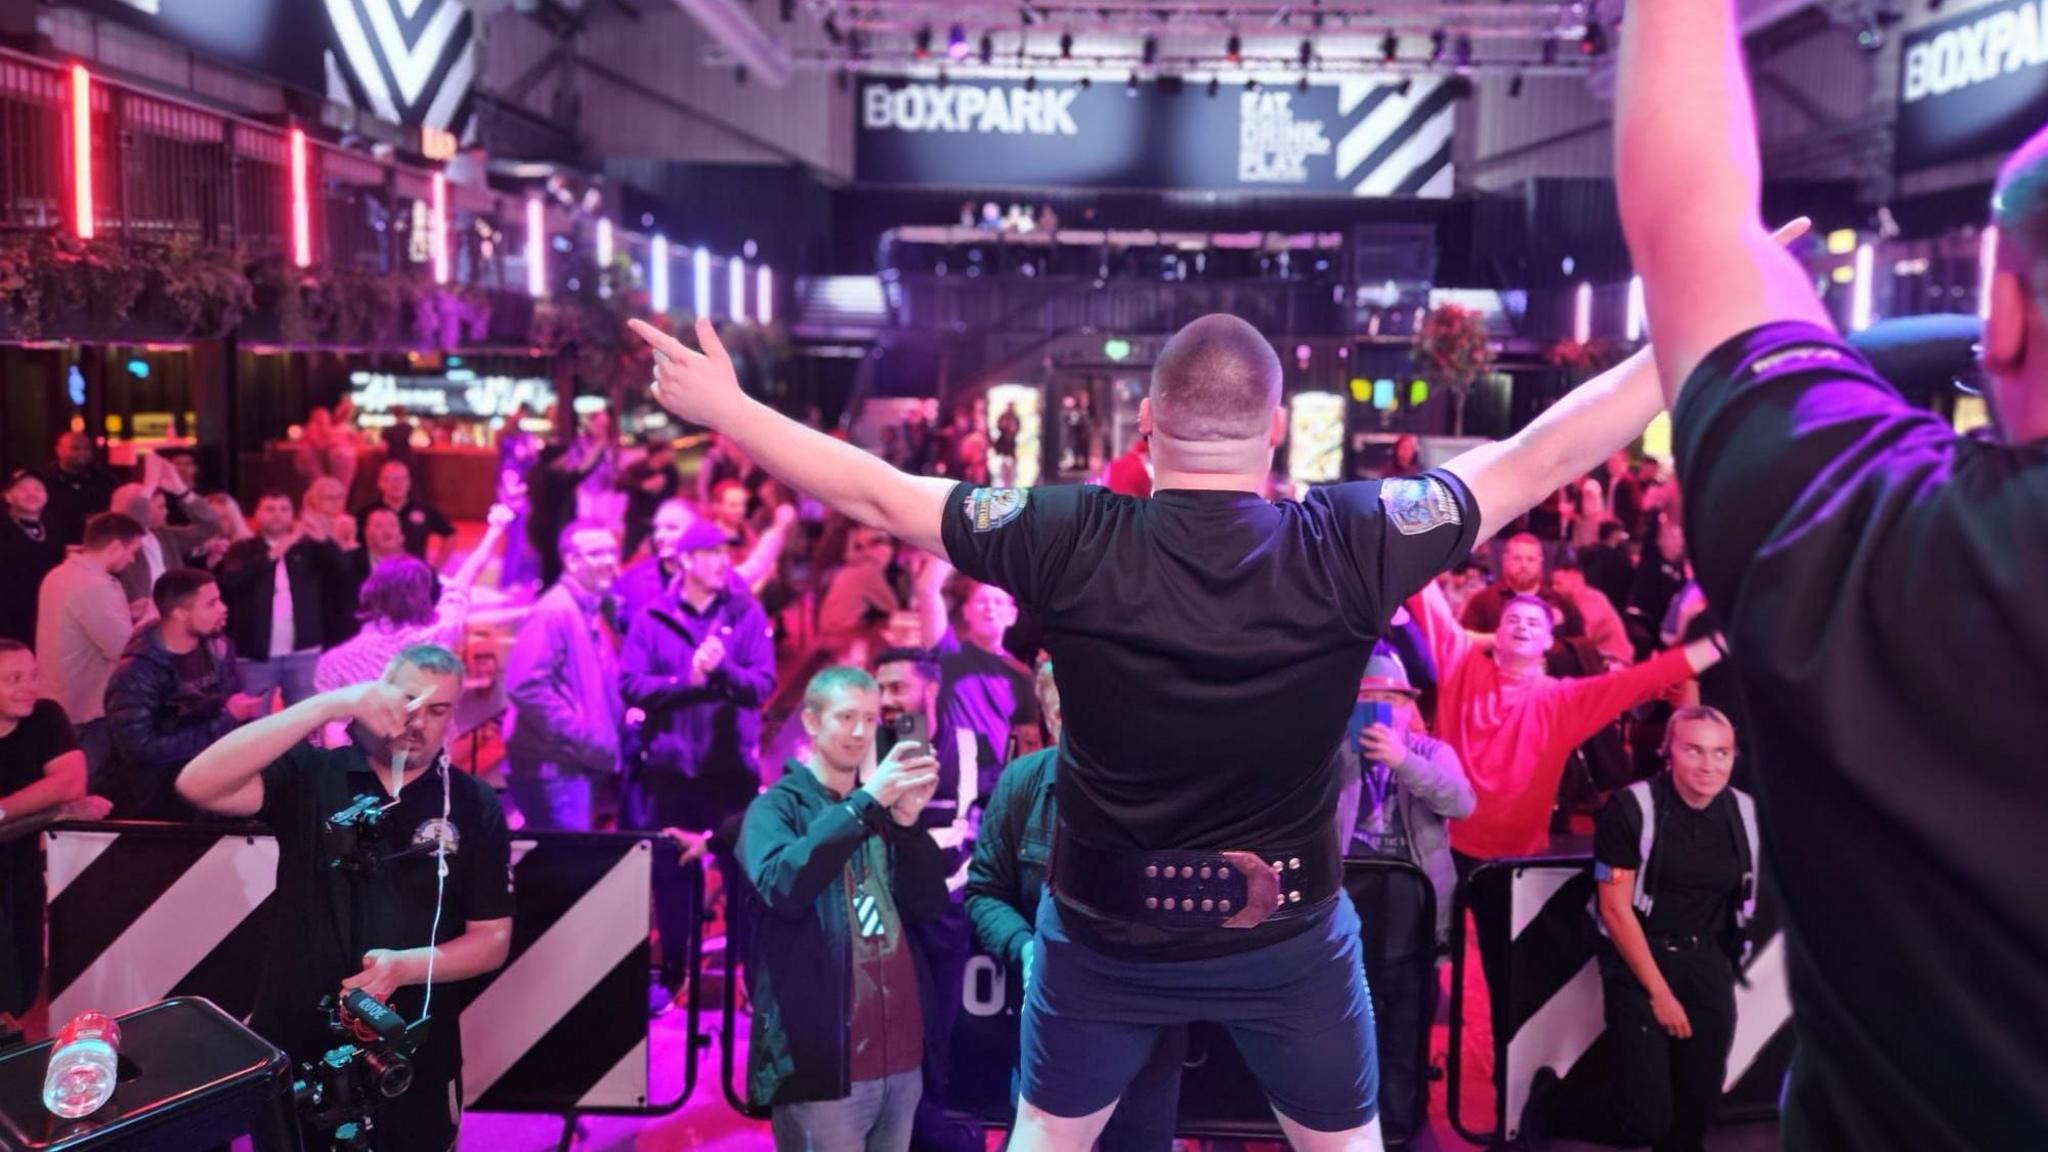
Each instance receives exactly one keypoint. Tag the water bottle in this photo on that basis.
(82, 1060)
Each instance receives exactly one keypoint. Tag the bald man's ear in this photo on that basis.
(1145, 416)
(1278, 434)
(2005, 329)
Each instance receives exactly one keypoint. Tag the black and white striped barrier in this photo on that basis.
(141, 912)
(1555, 1014)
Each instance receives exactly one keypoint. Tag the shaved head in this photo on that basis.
(1217, 379)
(2015, 345)
(2019, 207)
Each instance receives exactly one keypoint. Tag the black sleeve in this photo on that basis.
(1019, 539)
(1397, 534)
(487, 884)
(284, 789)
(53, 733)
(1775, 432)
(437, 524)
(1618, 834)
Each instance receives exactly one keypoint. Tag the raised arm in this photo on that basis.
(464, 578)
(702, 388)
(1689, 180)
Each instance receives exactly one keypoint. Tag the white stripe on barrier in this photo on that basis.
(625, 1086)
(176, 932)
(531, 996)
(1761, 1009)
(80, 850)
(1531, 893)
(1555, 1037)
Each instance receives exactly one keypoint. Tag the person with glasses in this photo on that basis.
(1676, 860)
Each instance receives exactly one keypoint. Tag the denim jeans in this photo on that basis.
(875, 1117)
(293, 674)
(550, 798)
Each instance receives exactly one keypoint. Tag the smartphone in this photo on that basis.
(945, 805)
(911, 726)
(1365, 714)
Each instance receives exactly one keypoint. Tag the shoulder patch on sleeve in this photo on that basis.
(991, 508)
(1799, 356)
(1418, 505)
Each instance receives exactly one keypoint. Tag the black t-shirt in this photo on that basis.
(1696, 869)
(42, 736)
(1209, 646)
(1881, 580)
(416, 520)
(24, 561)
(327, 918)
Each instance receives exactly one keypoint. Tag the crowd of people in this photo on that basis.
(744, 636)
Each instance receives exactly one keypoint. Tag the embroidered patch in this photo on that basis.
(440, 832)
(1418, 505)
(991, 508)
(1818, 354)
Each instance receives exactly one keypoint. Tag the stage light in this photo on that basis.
(1987, 270)
(536, 248)
(700, 283)
(81, 153)
(1862, 290)
(956, 42)
(604, 241)
(440, 219)
(302, 211)
(1116, 350)
(764, 295)
(657, 273)
(1582, 313)
(1638, 317)
(736, 288)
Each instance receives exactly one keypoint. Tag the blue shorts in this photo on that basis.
(1297, 1010)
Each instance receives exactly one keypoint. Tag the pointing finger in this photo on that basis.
(707, 339)
(660, 341)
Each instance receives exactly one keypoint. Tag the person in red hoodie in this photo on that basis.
(1131, 473)
(1515, 726)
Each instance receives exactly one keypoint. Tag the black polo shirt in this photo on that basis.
(1209, 646)
(1696, 860)
(1881, 579)
(327, 918)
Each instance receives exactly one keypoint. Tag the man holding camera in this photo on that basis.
(357, 911)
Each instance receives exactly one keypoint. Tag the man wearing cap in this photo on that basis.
(1401, 791)
(698, 663)
(29, 549)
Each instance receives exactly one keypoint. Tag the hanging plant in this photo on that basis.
(98, 278)
(21, 288)
(1581, 362)
(1452, 352)
(207, 290)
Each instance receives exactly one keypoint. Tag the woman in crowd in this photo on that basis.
(327, 449)
(325, 502)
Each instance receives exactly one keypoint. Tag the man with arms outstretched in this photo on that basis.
(1880, 581)
(1210, 645)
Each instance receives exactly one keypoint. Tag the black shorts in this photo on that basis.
(1297, 1010)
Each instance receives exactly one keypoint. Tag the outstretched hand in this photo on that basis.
(700, 387)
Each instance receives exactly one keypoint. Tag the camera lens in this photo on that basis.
(392, 1074)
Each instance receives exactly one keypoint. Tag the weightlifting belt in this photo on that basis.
(1234, 888)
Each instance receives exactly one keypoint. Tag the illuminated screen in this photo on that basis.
(1315, 439)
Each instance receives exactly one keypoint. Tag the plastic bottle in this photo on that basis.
(82, 1066)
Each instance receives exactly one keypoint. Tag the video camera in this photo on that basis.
(354, 836)
(371, 1063)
